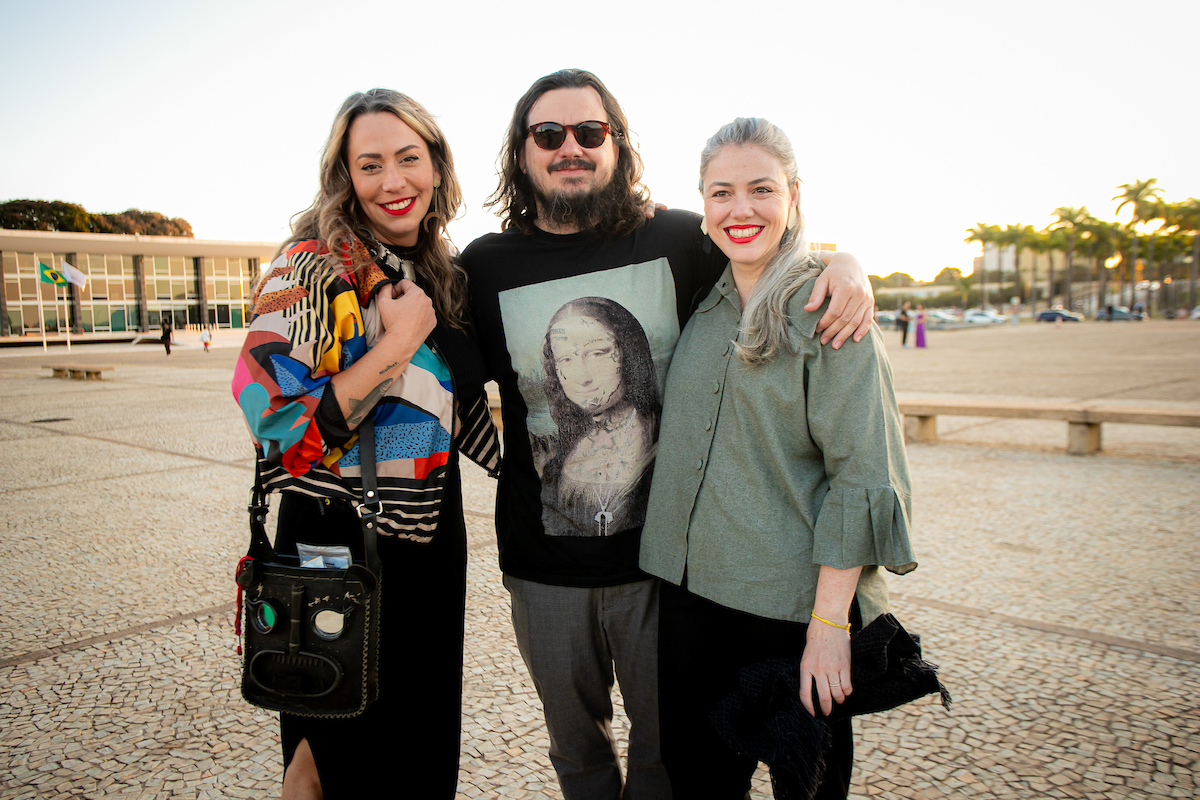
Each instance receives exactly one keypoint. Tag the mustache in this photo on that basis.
(571, 163)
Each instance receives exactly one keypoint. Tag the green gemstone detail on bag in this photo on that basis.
(265, 617)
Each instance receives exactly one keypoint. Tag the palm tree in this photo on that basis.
(1017, 237)
(965, 284)
(1184, 218)
(1052, 240)
(1069, 220)
(1101, 237)
(1146, 198)
(983, 234)
(1173, 246)
(1039, 242)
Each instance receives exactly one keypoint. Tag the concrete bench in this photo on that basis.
(1083, 419)
(80, 372)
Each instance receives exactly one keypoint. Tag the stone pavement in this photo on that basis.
(1060, 595)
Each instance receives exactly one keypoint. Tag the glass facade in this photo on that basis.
(228, 287)
(189, 290)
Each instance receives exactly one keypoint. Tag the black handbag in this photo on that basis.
(763, 717)
(311, 634)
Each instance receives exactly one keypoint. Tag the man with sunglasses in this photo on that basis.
(576, 234)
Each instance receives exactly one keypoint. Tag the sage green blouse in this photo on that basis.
(765, 473)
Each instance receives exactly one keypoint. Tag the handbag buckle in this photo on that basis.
(371, 506)
(258, 501)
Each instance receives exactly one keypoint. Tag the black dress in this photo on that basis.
(409, 738)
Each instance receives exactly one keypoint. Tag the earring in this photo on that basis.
(793, 218)
(704, 226)
(437, 184)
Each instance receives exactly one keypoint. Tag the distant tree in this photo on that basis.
(1101, 246)
(965, 284)
(1184, 218)
(1018, 237)
(983, 233)
(1072, 222)
(148, 223)
(1052, 239)
(1145, 197)
(55, 215)
(899, 279)
(948, 275)
(44, 215)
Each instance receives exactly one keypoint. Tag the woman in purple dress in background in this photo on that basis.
(920, 319)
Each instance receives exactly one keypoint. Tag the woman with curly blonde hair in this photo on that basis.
(361, 320)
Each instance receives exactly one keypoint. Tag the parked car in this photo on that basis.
(940, 317)
(885, 318)
(977, 317)
(1119, 313)
(1055, 314)
(1195, 313)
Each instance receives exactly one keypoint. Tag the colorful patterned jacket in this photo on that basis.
(307, 325)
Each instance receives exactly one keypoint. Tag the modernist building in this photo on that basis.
(132, 281)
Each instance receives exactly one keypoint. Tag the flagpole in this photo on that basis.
(73, 277)
(42, 315)
(67, 316)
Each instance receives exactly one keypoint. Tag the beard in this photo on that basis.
(582, 210)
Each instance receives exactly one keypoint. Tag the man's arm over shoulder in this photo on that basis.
(852, 302)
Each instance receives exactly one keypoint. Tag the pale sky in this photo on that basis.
(911, 121)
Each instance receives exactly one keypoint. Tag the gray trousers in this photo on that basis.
(571, 639)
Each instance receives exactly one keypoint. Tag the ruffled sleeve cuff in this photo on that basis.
(860, 527)
(477, 438)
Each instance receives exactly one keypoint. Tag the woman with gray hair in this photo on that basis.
(781, 485)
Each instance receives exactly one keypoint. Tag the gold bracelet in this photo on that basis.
(845, 627)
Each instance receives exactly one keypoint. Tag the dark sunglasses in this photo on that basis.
(551, 135)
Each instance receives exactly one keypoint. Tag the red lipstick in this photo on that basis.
(734, 232)
(399, 212)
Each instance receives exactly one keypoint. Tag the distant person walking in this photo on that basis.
(920, 320)
(206, 338)
(902, 320)
(166, 335)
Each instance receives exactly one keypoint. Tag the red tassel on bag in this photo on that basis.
(237, 620)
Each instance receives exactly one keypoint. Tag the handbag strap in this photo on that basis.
(371, 507)
(368, 510)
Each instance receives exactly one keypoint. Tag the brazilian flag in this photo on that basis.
(51, 275)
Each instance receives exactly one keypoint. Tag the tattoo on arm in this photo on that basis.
(389, 366)
(360, 408)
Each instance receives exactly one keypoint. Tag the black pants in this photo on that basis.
(903, 333)
(409, 738)
(701, 647)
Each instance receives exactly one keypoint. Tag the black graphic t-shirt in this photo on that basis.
(578, 331)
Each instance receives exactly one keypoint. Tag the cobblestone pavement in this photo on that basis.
(1060, 595)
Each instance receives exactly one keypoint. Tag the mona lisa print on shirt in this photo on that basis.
(591, 370)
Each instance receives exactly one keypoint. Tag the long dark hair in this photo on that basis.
(335, 214)
(514, 198)
(638, 375)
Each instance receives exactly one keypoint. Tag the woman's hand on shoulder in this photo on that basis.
(825, 664)
(851, 301)
(407, 316)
